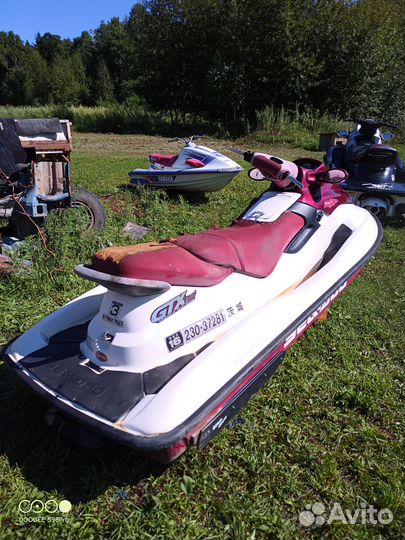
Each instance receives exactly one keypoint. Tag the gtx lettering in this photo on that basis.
(309, 320)
(172, 306)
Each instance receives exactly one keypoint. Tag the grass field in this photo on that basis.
(328, 429)
(289, 126)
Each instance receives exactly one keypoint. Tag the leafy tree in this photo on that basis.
(64, 81)
(13, 69)
(113, 47)
(103, 88)
(222, 60)
(37, 89)
(50, 46)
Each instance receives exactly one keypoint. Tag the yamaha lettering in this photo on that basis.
(172, 306)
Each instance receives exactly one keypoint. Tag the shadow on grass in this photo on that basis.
(396, 222)
(51, 462)
(195, 198)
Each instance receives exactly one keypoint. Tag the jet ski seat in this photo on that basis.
(167, 161)
(207, 258)
(158, 261)
(247, 246)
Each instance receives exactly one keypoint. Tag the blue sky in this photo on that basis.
(65, 18)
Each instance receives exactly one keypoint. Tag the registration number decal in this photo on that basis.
(166, 178)
(195, 330)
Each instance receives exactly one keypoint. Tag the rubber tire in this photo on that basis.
(88, 199)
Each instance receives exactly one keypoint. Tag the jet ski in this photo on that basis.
(195, 168)
(178, 335)
(376, 172)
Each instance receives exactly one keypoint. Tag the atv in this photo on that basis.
(35, 176)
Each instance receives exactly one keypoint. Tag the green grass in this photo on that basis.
(328, 428)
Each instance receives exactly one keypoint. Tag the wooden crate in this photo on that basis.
(330, 139)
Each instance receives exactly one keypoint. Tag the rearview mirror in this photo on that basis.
(387, 136)
(343, 133)
(335, 176)
(256, 175)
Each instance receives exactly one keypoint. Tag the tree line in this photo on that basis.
(222, 60)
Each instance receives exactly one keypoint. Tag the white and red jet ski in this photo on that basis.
(195, 168)
(178, 335)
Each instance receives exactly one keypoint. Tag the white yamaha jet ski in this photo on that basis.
(178, 335)
(195, 168)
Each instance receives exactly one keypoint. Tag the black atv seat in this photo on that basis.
(38, 126)
(11, 150)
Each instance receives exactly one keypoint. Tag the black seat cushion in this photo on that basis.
(11, 150)
(38, 126)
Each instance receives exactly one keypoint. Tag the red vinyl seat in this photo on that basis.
(167, 161)
(247, 246)
(194, 162)
(207, 258)
(161, 262)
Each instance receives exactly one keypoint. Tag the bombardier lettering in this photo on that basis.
(172, 306)
(309, 320)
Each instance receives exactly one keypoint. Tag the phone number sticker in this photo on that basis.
(195, 330)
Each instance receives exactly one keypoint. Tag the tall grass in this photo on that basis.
(116, 118)
(292, 127)
(298, 127)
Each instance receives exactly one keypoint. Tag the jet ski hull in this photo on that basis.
(180, 180)
(241, 365)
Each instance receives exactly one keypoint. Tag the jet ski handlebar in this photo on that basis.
(186, 140)
(372, 124)
(282, 172)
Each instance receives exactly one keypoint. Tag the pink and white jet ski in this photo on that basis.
(178, 335)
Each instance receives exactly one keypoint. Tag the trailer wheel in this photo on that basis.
(90, 207)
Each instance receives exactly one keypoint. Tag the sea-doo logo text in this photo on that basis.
(330, 202)
(218, 423)
(78, 381)
(162, 312)
(309, 320)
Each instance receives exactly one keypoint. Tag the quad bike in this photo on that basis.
(35, 176)
(178, 335)
(376, 172)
